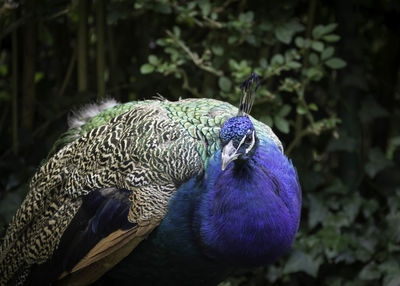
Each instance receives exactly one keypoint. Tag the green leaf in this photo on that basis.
(177, 31)
(391, 270)
(251, 39)
(246, 17)
(392, 280)
(299, 41)
(314, 73)
(234, 65)
(138, 6)
(277, 59)
(283, 34)
(4, 95)
(321, 30)
(3, 69)
(284, 110)
(314, 59)
(377, 162)
(232, 39)
(295, 26)
(331, 38)
(302, 262)
(301, 110)
(267, 120)
(263, 63)
(146, 68)
(313, 106)
(161, 42)
(336, 63)
(177, 75)
(273, 274)
(318, 31)
(281, 123)
(351, 207)
(224, 83)
(294, 64)
(329, 234)
(289, 85)
(317, 46)
(394, 143)
(38, 76)
(286, 31)
(330, 28)
(317, 211)
(393, 223)
(327, 53)
(205, 7)
(370, 272)
(173, 52)
(218, 50)
(153, 60)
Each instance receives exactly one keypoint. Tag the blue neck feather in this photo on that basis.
(249, 213)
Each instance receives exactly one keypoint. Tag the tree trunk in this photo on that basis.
(100, 32)
(29, 52)
(83, 45)
(112, 66)
(14, 88)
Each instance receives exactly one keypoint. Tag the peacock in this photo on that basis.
(155, 192)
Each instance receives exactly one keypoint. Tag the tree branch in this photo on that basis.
(68, 75)
(195, 57)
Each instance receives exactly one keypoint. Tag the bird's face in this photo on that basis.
(238, 140)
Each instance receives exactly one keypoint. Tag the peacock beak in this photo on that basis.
(229, 154)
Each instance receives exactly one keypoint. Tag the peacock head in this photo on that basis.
(238, 136)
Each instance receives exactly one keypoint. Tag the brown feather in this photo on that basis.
(105, 255)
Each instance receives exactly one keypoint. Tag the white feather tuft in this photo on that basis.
(82, 115)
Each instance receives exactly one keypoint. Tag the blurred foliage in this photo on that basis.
(330, 89)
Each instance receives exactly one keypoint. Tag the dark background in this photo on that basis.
(330, 90)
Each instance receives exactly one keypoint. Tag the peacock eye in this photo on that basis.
(248, 140)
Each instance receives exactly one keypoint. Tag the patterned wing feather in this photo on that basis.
(139, 150)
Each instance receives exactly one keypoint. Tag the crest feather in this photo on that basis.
(249, 88)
